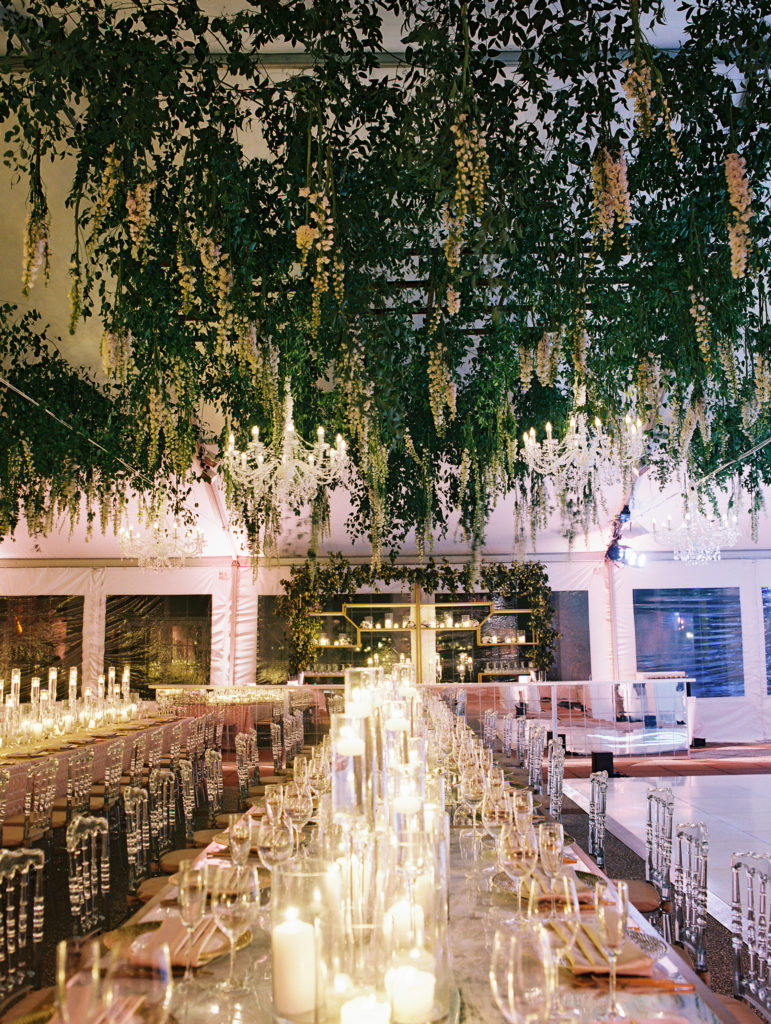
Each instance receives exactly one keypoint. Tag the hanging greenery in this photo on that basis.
(439, 255)
(311, 585)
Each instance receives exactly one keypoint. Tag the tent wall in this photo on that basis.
(235, 591)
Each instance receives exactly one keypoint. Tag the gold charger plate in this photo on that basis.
(588, 878)
(40, 1016)
(129, 932)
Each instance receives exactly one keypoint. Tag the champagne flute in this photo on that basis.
(78, 989)
(472, 790)
(274, 802)
(611, 911)
(551, 841)
(523, 809)
(240, 838)
(131, 984)
(496, 812)
(191, 896)
(522, 976)
(235, 900)
(560, 913)
(517, 856)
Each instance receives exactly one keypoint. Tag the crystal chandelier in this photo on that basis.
(699, 537)
(586, 456)
(161, 547)
(289, 471)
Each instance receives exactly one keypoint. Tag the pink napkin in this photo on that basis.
(206, 938)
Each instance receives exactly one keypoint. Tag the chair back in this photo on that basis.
(210, 722)
(219, 728)
(154, 750)
(162, 798)
(113, 770)
(175, 745)
(507, 733)
(750, 891)
(490, 728)
(187, 791)
(535, 749)
(658, 840)
(39, 798)
(242, 765)
(597, 816)
(21, 922)
(690, 890)
(521, 737)
(137, 764)
(254, 757)
(277, 747)
(555, 776)
(212, 766)
(88, 859)
(80, 774)
(5, 778)
(136, 808)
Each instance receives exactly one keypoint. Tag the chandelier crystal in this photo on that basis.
(161, 546)
(586, 456)
(700, 537)
(288, 472)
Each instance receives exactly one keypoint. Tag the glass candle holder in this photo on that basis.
(349, 747)
(306, 939)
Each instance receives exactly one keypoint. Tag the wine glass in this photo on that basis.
(611, 911)
(523, 809)
(555, 904)
(298, 808)
(274, 802)
(472, 789)
(240, 838)
(496, 812)
(235, 901)
(300, 769)
(130, 983)
(274, 843)
(78, 989)
(191, 896)
(522, 976)
(517, 856)
(551, 840)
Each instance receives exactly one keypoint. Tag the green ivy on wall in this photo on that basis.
(311, 584)
(438, 255)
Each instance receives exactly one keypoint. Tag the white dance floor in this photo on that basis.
(735, 809)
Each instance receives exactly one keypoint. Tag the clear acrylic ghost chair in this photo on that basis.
(277, 747)
(5, 778)
(521, 736)
(136, 763)
(750, 938)
(162, 797)
(136, 807)
(555, 777)
(34, 824)
(21, 922)
(598, 802)
(88, 858)
(658, 840)
(214, 783)
(507, 734)
(80, 771)
(254, 758)
(690, 891)
(242, 766)
(535, 749)
(219, 728)
(187, 790)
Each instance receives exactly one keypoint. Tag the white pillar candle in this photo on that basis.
(412, 994)
(15, 683)
(406, 923)
(349, 747)
(52, 681)
(294, 968)
(365, 1010)
(34, 690)
(73, 685)
(111, 681)
(407, 804)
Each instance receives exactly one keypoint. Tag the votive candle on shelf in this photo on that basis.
(53, 675)
(412, 994)
(73, 685)
(293, 944)
(34, 690)
(365, 1010)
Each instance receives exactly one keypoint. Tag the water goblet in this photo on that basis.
(274, 842)
(78, 988)
(554, 903)
(522, 976)
(235, 901)
(298, 808)
(611, 911)
(517, 856)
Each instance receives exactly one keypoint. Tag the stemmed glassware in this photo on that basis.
(522, 976)
(235, 901)
(517, 856)
(191, 896)
(472, 789)
(130, 984)
(611, 911)
(274, 802)
(298, 808)
(556, 906)
(274, 842)
(78, 989)
(240, 838)
(523, 809)
(551, 842)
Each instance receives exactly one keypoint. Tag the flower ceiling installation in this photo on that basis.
(532, 215)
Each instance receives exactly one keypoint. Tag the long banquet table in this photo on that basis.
(473, 917)
(15, 762)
